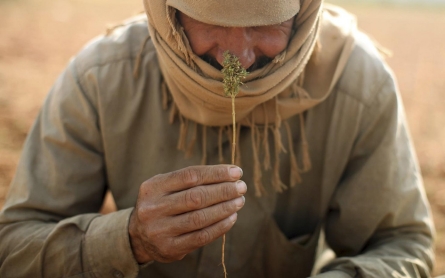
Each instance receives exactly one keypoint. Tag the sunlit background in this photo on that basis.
(38, 37)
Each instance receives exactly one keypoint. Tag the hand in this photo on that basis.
(181, 211)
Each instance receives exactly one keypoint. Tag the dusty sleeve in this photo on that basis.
(49, 226)
(379, 223)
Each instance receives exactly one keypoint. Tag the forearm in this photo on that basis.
(378, 222)
(87, 244)
(397, 254)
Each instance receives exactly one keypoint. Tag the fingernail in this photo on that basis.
(240, 202)
(236, 172)
(233, 217)
(241, 187)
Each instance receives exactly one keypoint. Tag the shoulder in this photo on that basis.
(122, 43)
(366, 75)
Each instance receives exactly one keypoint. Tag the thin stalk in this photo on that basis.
(222, 258)
(234, 130)
(232, 72)
(233, 162)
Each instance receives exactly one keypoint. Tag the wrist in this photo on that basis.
(139, 252)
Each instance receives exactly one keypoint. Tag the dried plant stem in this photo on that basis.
(232, 72)
(222, 258)
(233, 162)
(234, 130)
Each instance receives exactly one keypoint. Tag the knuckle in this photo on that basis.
(143, 211)
(148, 187)
(163, 206)
(166, 248)
(214, 173)
(146, 211)
(172, 253)
(153, 180)
(195, 198)
(228, 207)
(145, 188)
(163, 251)
(188, 176)
(197, 218)
(220, 173)
(203, 237)
(147, 183)
(154, 236)
(227, 191)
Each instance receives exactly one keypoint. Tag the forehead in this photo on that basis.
(192, 24)
(238, 13)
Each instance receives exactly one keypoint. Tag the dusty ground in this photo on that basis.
(39, 36)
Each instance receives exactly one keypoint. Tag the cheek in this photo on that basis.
(202, 42)
(271, 46)
(206, 43)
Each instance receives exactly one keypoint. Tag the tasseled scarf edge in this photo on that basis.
(259, 142)
(188, 146)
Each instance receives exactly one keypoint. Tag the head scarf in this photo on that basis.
(270, 94)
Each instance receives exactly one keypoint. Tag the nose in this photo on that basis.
(239, 42)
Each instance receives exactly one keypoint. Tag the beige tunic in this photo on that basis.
(102, 129)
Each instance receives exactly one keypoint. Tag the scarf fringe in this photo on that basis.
(276, 180)
(295, 171)
(191, 145)
(171, 18)
(266, 161)
(259, 140)
(183, 127)
(165, 98)
(204, 145)
(257, 174)
(229, 134)
(173, 112)
(177, 32)
(238, 150)
(137, 64)
(307, 165)
(220, 151)
(280, 58)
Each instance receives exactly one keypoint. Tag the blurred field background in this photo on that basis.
(38, 37)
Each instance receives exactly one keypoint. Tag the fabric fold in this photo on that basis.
(299, 78)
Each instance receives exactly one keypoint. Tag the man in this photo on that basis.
(322, 141)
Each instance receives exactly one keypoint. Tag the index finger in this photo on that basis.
(196, 175)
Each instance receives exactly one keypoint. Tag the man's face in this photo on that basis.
(254, 46)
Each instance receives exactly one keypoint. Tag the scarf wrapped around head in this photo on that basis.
(270, 94)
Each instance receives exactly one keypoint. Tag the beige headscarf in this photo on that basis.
(286, 87)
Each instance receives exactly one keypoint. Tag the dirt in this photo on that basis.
(42, 35)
